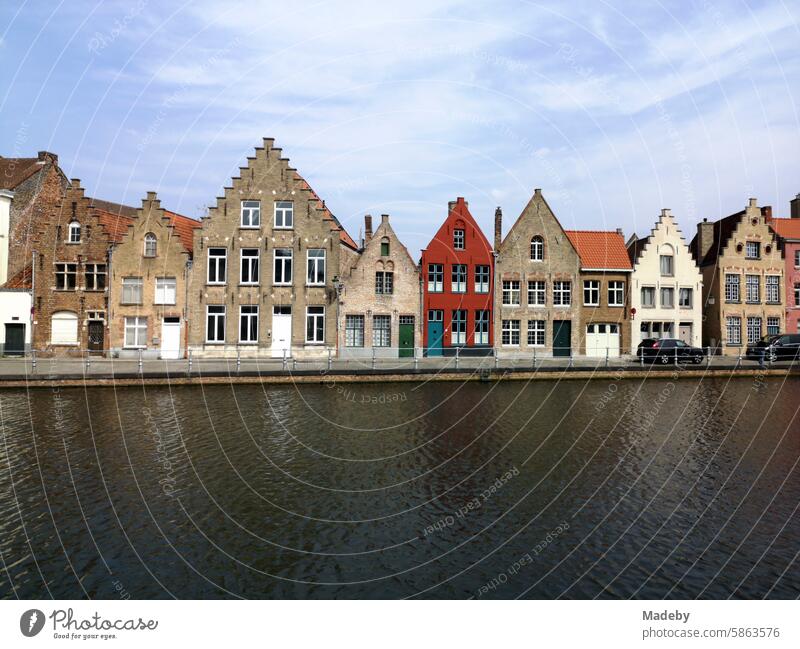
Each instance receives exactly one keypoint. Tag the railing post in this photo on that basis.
(88, 362)
(330, 359)
(189, 367)
(496, 359)
(141, 366)
(238, 359)
(738, 360)
(708, 357)
(284, 359)
(416, 359)
(457, 349)
(373, 357)
(33, 360)
(534, 358)
(570, 358)
(606, 357)
(675, 359)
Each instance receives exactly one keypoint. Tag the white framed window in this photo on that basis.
(354, 330)
(753, 330)
(562, 293)
(74, 232)
(510, 292)
(482, 327)
(537, 292)
(284, 214)
(435, 278)
(731, 288)
(648, 297)
(733, 330)
(251, 214)
(381, 331)
(384, 283)
(458, 278)
(773, 325)
(591, 292)
(482, 277)
(616, 293)
(797, 258)
(248, 323)
(773, 288)
(95, 276)
(150, 245)
(166, 290)
(66, 276)
(752, 250)
(248, 265)
(217, 265)
(315, 266)
(685, 298)
(667, 265)
(667, 297)
(537, 248)
(458, 328)
(215, 323)
(315, 324)
(536, 331)
(131, 290)
(752, 284)
(458, 239)
(64, 328)
(282, 274)
(510, 334)
(135, 332)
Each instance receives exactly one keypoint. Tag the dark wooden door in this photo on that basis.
(96, 336)
(15, 339)
(562, 337)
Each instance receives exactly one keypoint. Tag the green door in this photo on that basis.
(562, 336)
(406, 336)
(15, 339)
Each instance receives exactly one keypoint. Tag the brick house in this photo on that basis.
(379, 305)
(603, 292)
(458, 286)
(149, 283)
(537, 268)
(788, 231)
(267, 259)
(744, 294)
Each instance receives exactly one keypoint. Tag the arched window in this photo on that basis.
(537, 248)
(150, 245)
(74, 232)
(64, 328)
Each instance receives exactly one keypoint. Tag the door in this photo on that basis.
(602, 339)
(96, 336)
(435, 332)
(15, 339)
(562, 337)
(685, 332)
(281, 331)
(171, 338)
(406, 336)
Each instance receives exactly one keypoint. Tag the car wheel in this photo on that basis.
(698, 359)
(773, 357)
(664, 359)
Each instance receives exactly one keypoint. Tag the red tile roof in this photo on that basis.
(114, 223)
(599, 249)
(184, 228)
(23, 279)
(786, 228)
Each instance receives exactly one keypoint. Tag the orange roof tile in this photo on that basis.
(114, 223)
(22, 279)
(184, 228)
(786, 228)
(600, 249)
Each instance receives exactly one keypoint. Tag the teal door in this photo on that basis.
(435, 332)
(562, 335)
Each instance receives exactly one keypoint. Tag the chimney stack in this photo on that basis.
(498, 228)
(794, 207)
(705, 238)
(384, 219)
(620, 232)
(367, 228)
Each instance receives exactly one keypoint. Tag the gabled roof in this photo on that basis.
(184, 228)
(113, 208)
(786, 228)
(635, 246)
(344, 237)
(14, 171)
(114, 223)
(600, 250)
(23, 279)
(722, 233)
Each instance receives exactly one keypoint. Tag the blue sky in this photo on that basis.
(614, 109)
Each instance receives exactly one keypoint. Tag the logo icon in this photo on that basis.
(31, 622)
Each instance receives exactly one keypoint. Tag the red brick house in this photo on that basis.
(788, 231)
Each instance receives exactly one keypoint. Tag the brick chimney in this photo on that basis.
(705, 238)
(794, 207)
(367, 228)
(498, 228)
(620, 232)
(384, 219)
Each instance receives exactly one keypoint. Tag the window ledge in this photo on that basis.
(249, 227)
(52, 344)
(216, 283)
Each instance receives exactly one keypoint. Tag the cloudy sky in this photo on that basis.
(614, 109)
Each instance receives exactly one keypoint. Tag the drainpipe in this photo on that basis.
(33, 293)
(186, 272)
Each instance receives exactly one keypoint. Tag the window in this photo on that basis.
(166, 290)
(752, 250)
(458, 278)
(591, 292)
(215, 323)
(685, 297)
(131, 290)
(511, 292)
(616, 293)
(315, 266)
(482, 279)
(562, 293)
(536, 333)
(797, 294)
(752, 289)
(733, 327)
(384, 283)
(385, 247)
(248, 323)
(284, 214)
(458, 239)
(667, 266)
(731, 288)
(753, 330)
(773, 326)
(354, 331)
(248, 266)
(251, 214)
(772, 288)
(797, 257)
(536, 293)
(667, 297)
(283, 266)
(136, 332)
(315, 324)
(537, 248)
(435, 278)
(74, 232)
(66, 277)
(95, 276)
(648, 297)
(510, 332)
(217, 262)
(150, 245)
(381, 331)
(64, 328)
(482, 327)
(435, 315)
(458, 331)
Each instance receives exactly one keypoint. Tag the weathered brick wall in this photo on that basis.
(603, 313)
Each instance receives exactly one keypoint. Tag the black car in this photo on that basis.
(667, 350)
(776, 348)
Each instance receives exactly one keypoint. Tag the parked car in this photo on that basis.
(666, 350)
(776, 348)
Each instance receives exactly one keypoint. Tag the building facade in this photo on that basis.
(603, 292)
(379, 304)
(457, 268)
(149, 283)
(788, 231)
(744, 294)
(267, 260)
(537, 268)
(666, 286)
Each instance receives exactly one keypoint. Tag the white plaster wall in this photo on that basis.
(15, 304)
(5, 218)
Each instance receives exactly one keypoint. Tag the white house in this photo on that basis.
(666, 286)
(15, 292)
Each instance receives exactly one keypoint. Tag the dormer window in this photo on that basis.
(150, 245)
(458, 239)
(385, 247)
(537, 248)
(74, 232)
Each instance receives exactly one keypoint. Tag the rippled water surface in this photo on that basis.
(548, 489)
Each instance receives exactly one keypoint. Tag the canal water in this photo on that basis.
(574, 489)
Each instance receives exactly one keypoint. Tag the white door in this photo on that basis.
(602, 338)
(281, 331)
(171, 338)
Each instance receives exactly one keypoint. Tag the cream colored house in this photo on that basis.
(666, 286)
